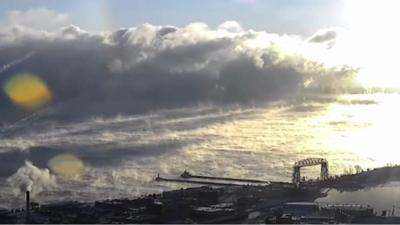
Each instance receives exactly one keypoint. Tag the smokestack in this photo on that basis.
(28, 206)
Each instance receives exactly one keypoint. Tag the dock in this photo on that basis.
(187, 175)
(158, 178)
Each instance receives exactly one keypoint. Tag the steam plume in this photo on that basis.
(31, 178)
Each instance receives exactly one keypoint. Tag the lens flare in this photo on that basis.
(67, 166)
(27, 91)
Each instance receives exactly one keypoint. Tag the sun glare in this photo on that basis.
(373, 24)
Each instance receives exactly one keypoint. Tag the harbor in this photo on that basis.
(226, 200)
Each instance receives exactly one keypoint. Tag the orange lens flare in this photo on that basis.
(27, 91)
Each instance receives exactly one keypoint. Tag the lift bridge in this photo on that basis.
(310, 162)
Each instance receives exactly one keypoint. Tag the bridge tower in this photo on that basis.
(296, 177)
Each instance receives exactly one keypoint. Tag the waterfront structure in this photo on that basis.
(296, 178)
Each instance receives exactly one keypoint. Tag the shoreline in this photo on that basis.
(228, 203)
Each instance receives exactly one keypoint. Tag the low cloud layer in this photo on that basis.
(149, 67)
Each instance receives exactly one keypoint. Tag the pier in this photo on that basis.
(158, 178)
(187, 175)
(343, 182)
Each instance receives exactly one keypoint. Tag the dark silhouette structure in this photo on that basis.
(28, 204)
(296, 178)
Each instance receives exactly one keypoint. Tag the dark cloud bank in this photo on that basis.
(149, 67)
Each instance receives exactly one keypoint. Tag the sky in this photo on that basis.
(281, 16)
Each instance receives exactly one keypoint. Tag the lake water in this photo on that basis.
(122, 155)
(384, 197)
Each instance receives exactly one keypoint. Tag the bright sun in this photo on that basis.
(375, 38)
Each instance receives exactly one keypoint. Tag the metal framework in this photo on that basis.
(310, 162)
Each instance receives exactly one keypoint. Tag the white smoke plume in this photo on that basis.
(31, 178)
